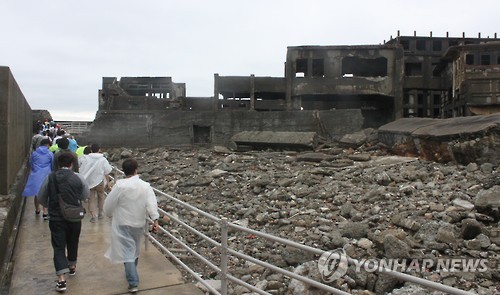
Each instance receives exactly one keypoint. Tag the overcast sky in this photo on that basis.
(58, 51)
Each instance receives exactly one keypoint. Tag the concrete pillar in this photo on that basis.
(289, 76)
(252, 92)
(216, 92)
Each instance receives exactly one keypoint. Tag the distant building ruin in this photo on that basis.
(407, 76)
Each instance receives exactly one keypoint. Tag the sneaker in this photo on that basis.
(92, 219)
(100, 216)
(132, 289)
(45, 217)
(61, 286)
(72, 271)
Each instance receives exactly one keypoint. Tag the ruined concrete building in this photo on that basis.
(358, 86)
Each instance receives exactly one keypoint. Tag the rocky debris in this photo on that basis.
(386, 206)
(488, 202)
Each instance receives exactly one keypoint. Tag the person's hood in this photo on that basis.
(95, 155)
(43, 150)
(133, 182)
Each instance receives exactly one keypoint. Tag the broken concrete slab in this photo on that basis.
(271, 139)
(463, 140)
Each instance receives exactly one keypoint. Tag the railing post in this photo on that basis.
(223, 255)
(146, 235)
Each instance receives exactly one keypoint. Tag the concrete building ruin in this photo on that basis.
(407, 76)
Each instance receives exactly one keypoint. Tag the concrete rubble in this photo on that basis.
(384, 206)
(464, 139)
(273, 139)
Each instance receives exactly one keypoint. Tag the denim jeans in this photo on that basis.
(65, 235)
(131, 247)
(131, 273)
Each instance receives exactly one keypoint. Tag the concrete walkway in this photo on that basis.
(34, 272)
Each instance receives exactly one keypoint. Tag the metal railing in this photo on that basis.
(75, 127)
(225, 252)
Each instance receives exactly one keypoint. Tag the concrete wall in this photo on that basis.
(180, 128)
(16, 133)
(15, 129)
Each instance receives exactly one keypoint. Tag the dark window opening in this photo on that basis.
(498, 60)
(421, 45)
(363, 67)
(420, 113)
(437, 99)
(436, 112)
(469, 59)
(436, 45)
(413, 69)
(301, 67)
(406, 98)
(406, 113)
(453, 43)
(485, 59)
(435, 73)
(318, 67)
(420, 99)
(406, 44)
(201, 134)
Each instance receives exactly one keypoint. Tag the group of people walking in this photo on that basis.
(83, 175)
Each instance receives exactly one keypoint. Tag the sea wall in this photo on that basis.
(187, 128)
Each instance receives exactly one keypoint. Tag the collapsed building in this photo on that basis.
(330, 90)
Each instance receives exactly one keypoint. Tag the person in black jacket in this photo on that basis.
(65, 234)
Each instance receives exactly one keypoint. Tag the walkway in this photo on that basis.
(34, 272)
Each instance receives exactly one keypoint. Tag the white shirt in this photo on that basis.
(129, 201)
(94, 168)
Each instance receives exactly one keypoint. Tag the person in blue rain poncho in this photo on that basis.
(41, 165)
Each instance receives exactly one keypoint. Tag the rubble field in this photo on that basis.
(370, 203)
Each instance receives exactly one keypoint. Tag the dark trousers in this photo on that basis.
(65, 235)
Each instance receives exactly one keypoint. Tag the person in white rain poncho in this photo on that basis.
(128, 203)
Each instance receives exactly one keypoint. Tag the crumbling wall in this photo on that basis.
(463, 140)
(178, 128)
(140, 93)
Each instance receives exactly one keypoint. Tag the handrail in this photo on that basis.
(225, 252)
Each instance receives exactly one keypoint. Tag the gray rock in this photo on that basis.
(395, 248)
(360, 157)
(385, 283)
(355, 230)
(314, 157)
(488, 201)
(487, 168)
(308, 269)
(484, 241)
(463, 204)
(445, 234)
(353, 140)
(126, 154)
(473, 244)
(365, 243)
(294, 256)
(472, 167)
(471, 228)
(383, 178)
